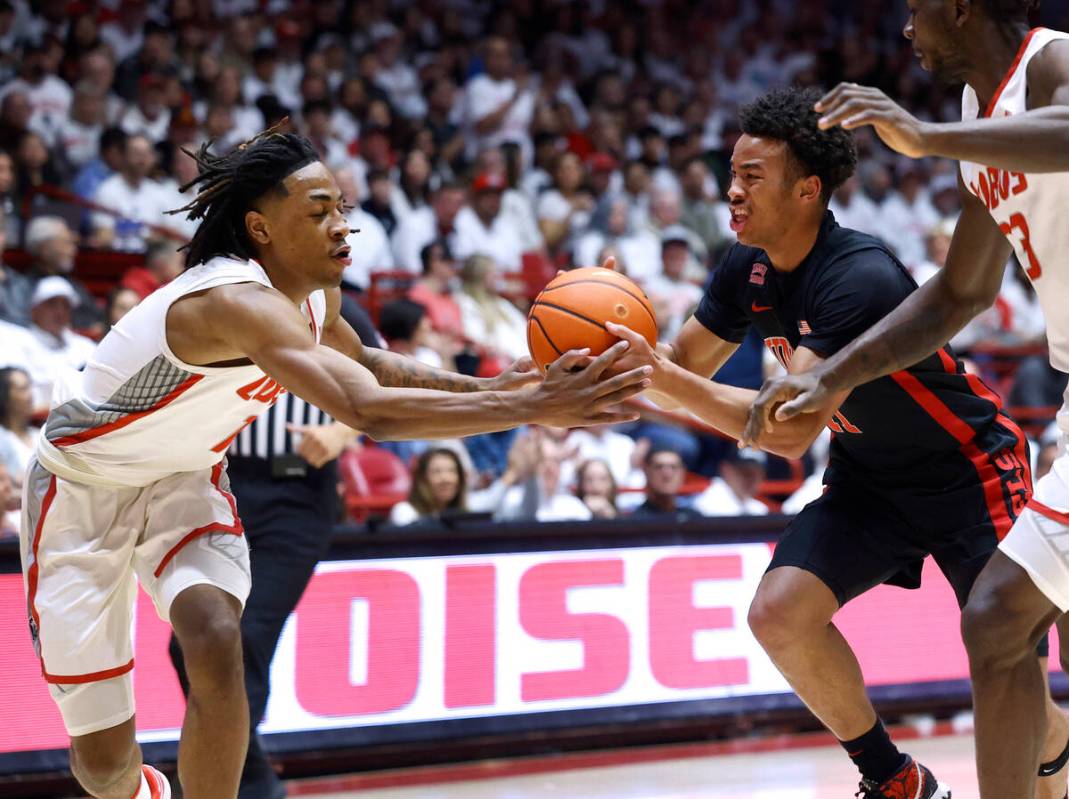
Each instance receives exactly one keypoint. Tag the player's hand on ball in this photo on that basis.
(577, 391)
(853, 106)
(781, 399)
(640, 353)
(521, 372)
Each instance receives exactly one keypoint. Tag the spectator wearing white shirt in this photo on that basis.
(407, 330)
(500, 104)
(97, 68)
(134, 199)
(734, 492)
(608, 229)
(516, 206)
(394, 76)
(266, 78)
(226, 90)
(421, 227)
(853, 209)
(601, 442)
(149, 117)
(78, 136)
(490, 320)
(52, 348)
(49, 96)
(125, 34)
(673, 296)
(643, 246)
(413, 188)
(316, 126)
(52, 247)
(564, 211)
(482, 228)
(369, 246)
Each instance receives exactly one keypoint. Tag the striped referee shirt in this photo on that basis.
(268, 436)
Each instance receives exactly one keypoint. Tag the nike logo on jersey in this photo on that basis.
(760, 308)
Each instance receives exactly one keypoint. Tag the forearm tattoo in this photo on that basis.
(398, 371)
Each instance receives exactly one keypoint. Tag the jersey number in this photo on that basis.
(783, 351)
(1020, 224)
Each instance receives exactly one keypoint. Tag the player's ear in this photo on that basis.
(257, 227)
(810, 188)
(962, 10)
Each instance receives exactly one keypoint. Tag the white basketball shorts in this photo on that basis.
(1039, 541)
(84, 548)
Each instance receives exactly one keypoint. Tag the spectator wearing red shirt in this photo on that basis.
(435, 291)
(163, 263)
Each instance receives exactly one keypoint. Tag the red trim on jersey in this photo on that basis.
(130, 418)
(312, 318)
(234, 528)
(1050, 513)
(1010, 72)
(154, 780)
(964, 433)
(33, 575)
(96, 676)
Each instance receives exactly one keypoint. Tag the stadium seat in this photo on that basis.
(374, 480)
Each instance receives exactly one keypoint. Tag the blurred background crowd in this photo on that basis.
(483, 146)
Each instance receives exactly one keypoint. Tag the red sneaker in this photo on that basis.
(159, 787)
(913, 781)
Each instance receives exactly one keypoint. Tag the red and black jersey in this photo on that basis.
(907, 430)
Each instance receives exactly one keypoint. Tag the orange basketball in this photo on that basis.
(572, 310)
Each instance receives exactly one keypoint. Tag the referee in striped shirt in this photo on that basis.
(283, 474)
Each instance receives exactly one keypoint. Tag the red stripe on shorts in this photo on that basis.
(96, 676)
(33, 575)
(234, 528)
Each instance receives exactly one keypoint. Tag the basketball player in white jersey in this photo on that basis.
(129, 478)
(1013, 145)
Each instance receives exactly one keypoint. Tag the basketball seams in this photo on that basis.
(545, 335)
(643, 300)
(568, 311)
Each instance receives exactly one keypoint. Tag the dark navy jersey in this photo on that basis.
(897, 430)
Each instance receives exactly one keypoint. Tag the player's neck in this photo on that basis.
(991, 53)
(793, 248)
(295, 286)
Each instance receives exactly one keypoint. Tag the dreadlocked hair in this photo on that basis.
(787, 115)
(229, 186)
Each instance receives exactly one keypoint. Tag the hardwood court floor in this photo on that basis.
(794, 773)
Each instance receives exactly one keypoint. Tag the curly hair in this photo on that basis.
(787, 115)
(230, 185)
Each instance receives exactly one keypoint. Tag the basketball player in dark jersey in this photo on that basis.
(923, 462)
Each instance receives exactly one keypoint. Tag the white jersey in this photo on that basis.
(137, 413)
(1029, 208)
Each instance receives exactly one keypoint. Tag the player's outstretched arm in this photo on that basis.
(399, 371)
(726, 408)
(1035, 141)
(918, 327)
(249, 320)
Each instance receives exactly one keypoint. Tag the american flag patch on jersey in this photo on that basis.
(757, 274)
(804, 328)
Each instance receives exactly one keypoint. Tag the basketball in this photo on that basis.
(570, 313)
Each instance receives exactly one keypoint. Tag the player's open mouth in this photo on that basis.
(738, 220)
(341, 255)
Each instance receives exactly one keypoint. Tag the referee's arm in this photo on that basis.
(397, 371)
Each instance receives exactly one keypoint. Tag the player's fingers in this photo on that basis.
(614, 417)
(836, 115)
(569, 360)
(609, 263)
(624, 332)
(625, 393)
(524, 364)
(803, 403)
(602, 362)
(631, 378)
(830, 97)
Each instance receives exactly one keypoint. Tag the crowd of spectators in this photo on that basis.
(472, 140)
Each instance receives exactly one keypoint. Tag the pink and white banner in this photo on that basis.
(433, 638)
